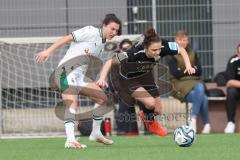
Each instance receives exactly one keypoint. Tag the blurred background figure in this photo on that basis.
(233, 90)
(189, 88)
(126, 119)
(124, 45)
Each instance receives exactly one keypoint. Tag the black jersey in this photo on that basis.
(135, 63)
(233, 68)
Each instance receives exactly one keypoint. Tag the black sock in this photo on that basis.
(149, 114)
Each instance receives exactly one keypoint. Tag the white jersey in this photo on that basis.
(87, 41)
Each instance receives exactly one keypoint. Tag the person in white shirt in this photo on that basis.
(88, 41)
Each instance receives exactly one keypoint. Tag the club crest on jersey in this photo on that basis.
(86, 50)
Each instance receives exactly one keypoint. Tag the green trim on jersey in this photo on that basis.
(63, 81)
(101, 34)
(98, 118)
(74, 38)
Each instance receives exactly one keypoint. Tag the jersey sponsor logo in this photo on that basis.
(173, 46)
(145, 68)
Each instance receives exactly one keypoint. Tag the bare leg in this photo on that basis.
(94, 92)
(153, 105)
(140, 94)
(69, 121)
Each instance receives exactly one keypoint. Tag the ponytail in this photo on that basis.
(150, 36)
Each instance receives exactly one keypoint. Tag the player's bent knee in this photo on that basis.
(102, 101)
(150, 105)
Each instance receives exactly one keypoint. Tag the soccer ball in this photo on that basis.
(184, 136)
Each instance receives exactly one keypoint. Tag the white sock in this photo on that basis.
(69, 126)
(97, 126)
(97, 121)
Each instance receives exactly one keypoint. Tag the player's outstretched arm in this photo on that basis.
(184, 54)
(43, 56)
(102, 79)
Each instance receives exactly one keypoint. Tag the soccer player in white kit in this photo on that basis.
(88, 40)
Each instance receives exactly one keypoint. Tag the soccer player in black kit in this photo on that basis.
(132, 76)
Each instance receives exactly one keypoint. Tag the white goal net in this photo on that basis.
(27, 102)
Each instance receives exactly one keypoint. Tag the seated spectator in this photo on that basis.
(189, 88)
(233, 90)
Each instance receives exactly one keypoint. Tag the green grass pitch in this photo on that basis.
(211, 147)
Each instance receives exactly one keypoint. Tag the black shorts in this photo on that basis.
(124, 87)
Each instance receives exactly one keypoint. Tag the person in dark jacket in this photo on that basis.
(189, 88)
(233, 90)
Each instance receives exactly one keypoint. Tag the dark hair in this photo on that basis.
(150, 36)
(123, 42)
(113, 18)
